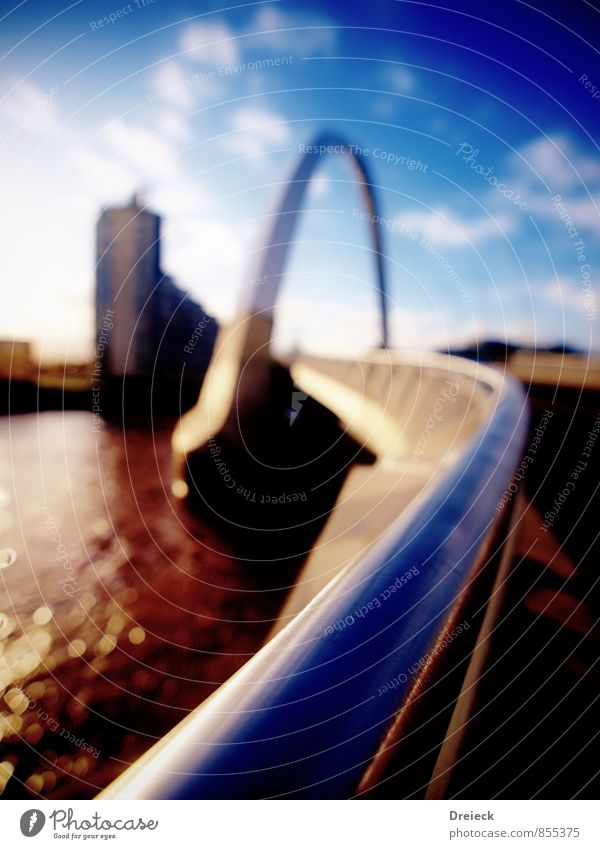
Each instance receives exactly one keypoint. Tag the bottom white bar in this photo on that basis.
(302, 824)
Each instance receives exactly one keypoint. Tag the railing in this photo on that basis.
(306, 715)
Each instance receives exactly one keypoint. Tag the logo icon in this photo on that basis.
(32, 822)
(298, 399)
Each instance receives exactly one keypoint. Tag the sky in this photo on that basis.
(478, 124)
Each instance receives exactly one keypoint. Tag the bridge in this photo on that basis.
(391, 469)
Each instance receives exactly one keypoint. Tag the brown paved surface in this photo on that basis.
(148, 616)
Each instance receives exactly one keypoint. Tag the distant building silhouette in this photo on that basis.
(145, 325)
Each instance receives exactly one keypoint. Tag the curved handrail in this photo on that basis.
(306, 714)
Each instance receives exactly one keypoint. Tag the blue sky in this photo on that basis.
(183, 101)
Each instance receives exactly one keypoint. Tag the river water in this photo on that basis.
(118, 613)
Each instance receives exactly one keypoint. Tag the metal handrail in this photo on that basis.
(304, 717)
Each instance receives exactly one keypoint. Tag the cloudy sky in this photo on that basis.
(478, 126)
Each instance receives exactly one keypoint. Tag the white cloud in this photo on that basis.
(207, 257)
(443, 227)
(170, 84)
(188, 198)
(574, 176)
(29, 109)
(383, 107)
(51, 297)
(148, 152)
(297, 34)
(400, 79)
(173, 125)
(107, 179)
(324, 327)
(256, 130)
(210, 43)
(396, 80)
(557, 163)
(585, 212)
(567, 295)
(256, 119)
